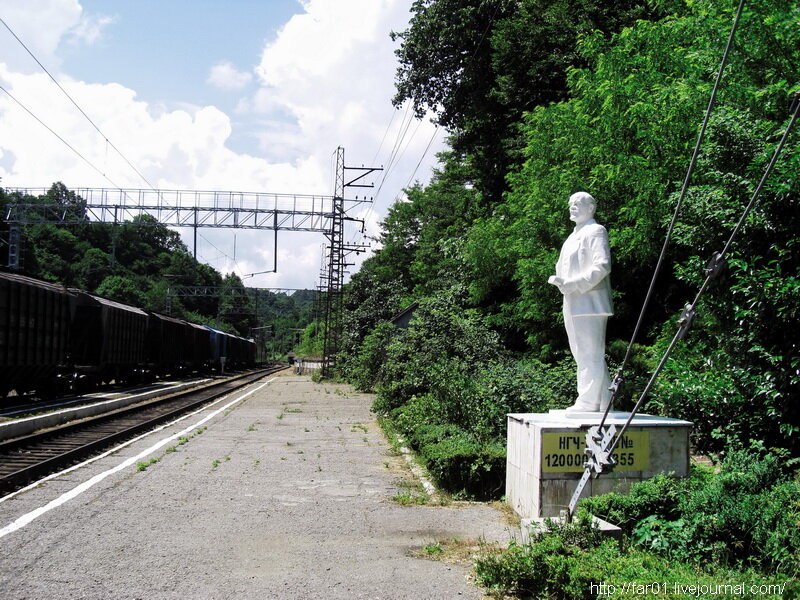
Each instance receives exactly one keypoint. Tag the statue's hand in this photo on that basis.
(556, 281)
(568, 287)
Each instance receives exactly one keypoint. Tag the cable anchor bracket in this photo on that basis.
(685, 321)
(598, 442)
(715, 265)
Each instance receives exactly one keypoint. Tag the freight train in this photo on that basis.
(55, 340)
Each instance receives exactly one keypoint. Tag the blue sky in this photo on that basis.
(238, 95)
(164, 50)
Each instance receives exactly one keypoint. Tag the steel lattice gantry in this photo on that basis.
(210, 209)
(179, 208)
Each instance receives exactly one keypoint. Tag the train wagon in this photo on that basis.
(35, 318)
(242, 351)
(168, 344)
(199, 343)
(54, 339)
(109, 339)
(218, 348)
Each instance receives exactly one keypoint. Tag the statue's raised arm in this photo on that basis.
(581, 275)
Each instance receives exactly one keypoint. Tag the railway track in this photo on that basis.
(31, 457)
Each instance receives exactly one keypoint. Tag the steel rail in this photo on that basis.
(33, 456)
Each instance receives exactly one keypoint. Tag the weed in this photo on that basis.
(433, 550)
(366, 439)
(359, 426)
(319, 469)
(215, 463)
(294, 410)
(258, 462)
(280, 416)
(141, 466)
(171, 449)
(251, 428)
(406, 498)
(306, 429)
(456, 551)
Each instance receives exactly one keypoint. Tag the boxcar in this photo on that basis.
(109, 339)
(218, 348)
(199, 344)
(34, 332)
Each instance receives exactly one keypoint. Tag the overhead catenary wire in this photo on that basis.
(393, 155)
(72, 100)
(424, 154)
(400, 136)
(222, 252)
(65, 142)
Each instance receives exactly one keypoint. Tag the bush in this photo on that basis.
(364, 370)
(575, 563)
(747, 514)
(463, 465)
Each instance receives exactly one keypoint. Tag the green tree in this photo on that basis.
(122, 290)
(478, 65)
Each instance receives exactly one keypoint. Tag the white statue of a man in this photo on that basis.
(582, 276)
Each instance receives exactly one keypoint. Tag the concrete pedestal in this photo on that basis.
(545, 457)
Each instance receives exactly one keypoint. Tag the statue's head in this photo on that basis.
(581, 207)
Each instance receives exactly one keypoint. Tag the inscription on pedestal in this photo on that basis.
(563, 452)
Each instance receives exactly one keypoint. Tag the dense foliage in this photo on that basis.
(137, 262)
(737, 526)
(543, 99)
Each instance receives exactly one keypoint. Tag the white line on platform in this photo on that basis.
(86, 485)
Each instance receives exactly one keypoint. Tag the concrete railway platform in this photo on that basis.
(279, 491)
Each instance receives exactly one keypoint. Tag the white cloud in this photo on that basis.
(226, 77)
(43, 25)
(325, 80)
(89, 29)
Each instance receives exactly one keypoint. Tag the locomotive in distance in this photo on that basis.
(55, 340)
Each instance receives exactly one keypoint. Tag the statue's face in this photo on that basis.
(580, 210)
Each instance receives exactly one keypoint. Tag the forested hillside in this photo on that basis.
(543, 99)
(137, 262)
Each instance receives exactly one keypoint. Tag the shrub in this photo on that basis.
(364, 370)
(463, 465)
(747, 514)
(575, 563)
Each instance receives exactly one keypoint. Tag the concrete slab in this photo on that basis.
(283, 495)
(106, 402)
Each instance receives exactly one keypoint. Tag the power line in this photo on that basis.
(105, 137)
(385, 133)
(424, 154)
(221, 252)
(65, 142)
(403, 131)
